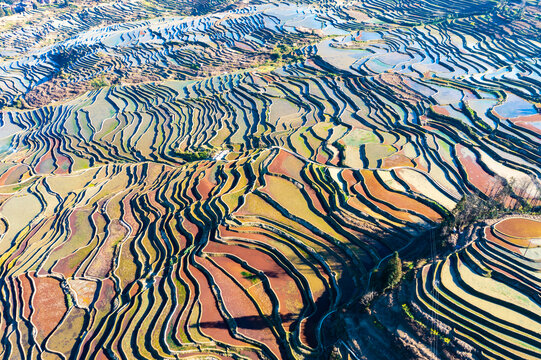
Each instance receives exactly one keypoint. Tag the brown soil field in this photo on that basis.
(241, 308)
(285, 288)
(49, 304)
(520, 228)
(211, 322)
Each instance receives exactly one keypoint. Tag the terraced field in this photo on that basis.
(488, 293)
(218, 185)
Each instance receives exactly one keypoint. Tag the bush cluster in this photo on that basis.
(190, 156)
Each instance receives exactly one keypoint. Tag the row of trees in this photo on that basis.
(511, 197)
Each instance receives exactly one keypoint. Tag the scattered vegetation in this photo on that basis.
(99, 83)
(286, 53)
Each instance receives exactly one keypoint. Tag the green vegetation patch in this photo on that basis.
(99, 83)
(190, 156)
(249, 276)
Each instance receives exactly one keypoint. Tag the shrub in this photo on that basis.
(69, 300)
(368, 298)
(249, 276)
(407, 311)
(335, 354)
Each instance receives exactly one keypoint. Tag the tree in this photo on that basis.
(392, 273)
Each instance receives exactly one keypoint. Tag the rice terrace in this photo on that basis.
(266, 179)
